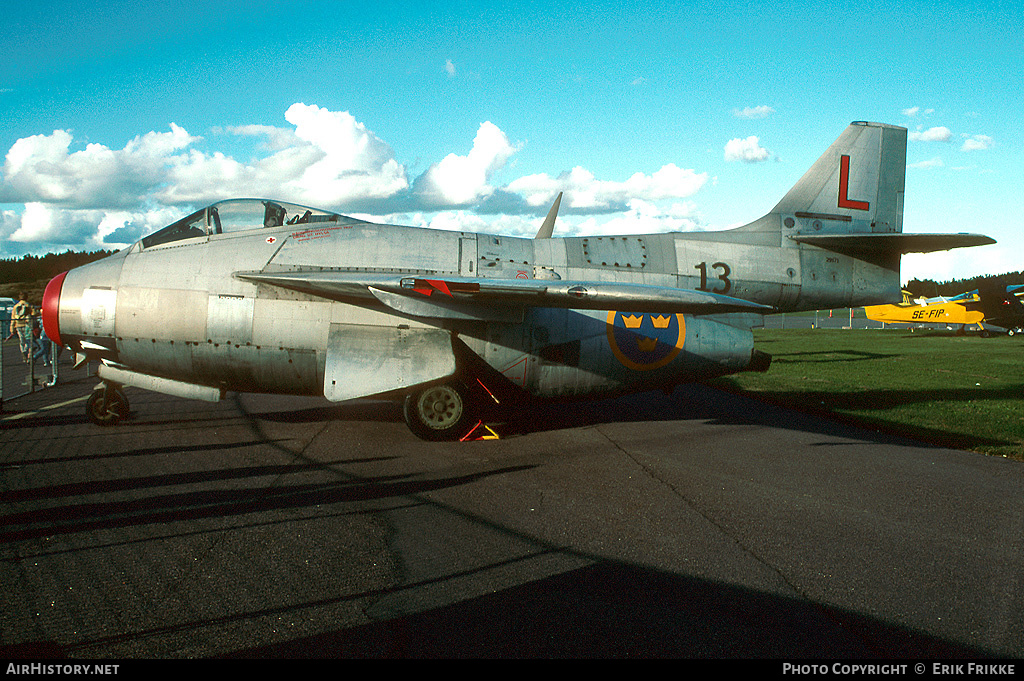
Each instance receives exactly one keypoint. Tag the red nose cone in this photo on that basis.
(51, 306)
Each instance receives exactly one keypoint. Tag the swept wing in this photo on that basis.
(483, 298)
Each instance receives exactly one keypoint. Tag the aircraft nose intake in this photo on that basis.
(51, 308)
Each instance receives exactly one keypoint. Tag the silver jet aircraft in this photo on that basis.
(263, 296)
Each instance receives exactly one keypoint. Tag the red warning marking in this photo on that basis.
(844, 187)
(440, 286)
(449, 288)
(516, 372)
(428, 286)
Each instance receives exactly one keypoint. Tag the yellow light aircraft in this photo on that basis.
(929, 310)
(998, 305)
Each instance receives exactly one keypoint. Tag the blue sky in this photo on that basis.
(652, 116)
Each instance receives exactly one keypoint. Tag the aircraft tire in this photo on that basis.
(116, 408)
(439, 412)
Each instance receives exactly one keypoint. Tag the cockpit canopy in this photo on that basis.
(236, 215)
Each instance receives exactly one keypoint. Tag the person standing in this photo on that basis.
(21, 325)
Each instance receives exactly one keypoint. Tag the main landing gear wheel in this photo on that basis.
(439, 412)
(107, 406)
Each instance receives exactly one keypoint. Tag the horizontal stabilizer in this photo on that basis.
(873, 245)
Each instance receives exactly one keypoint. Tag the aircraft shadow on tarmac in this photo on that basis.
(721, 406)
(698, 401)
(686, 402)
(844, 355)
(613, 609)
(355, 410)
(880, 400)
(609, 609)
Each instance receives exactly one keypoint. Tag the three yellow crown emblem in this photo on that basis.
(634, 321)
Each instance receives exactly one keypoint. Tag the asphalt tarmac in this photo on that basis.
(694, 525)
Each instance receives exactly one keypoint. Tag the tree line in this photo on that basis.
(931, 289)
(30, 268)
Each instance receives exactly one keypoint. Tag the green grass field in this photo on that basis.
(964, 392)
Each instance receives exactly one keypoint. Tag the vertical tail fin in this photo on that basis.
(856, 186)
(838, 233)
(851, 200)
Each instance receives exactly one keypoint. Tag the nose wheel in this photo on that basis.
(107, 406)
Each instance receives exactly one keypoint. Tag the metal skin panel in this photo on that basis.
(168, 358)
(368, 360)
(766, 276)
(84, 313)
(229, 318)
(467, 256)
(202, 264)
(359, 246)
(98, 312)
(162, 314)
(290, 323)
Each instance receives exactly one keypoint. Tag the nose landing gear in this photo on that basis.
(108, 405)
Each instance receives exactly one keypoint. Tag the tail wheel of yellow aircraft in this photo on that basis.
(107, 406)
(439, 412)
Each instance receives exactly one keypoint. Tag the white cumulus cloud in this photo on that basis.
(77, 195)
(748, 150)
(327, 159)
(641, 217)
(582, 190)
(42, 168)
(930, 163)
(753, 112)
(463, 180)
(57, 228)
(976, 142)
(936, 134)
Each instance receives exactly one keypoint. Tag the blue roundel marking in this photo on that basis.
(643, 341)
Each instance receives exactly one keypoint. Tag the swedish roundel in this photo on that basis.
(644, 341)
